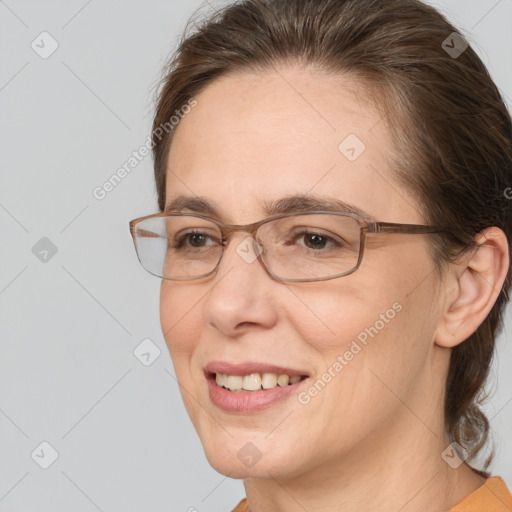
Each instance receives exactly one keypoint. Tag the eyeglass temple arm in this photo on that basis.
(390, 227)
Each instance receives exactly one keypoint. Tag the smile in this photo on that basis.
(250, 387)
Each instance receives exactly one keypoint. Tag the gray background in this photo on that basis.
(69, 323)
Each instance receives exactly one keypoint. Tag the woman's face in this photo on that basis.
(364, 342)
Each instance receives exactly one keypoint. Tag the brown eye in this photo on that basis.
(315, 241)
(194, 239)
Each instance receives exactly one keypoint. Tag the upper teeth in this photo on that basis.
(254, 381)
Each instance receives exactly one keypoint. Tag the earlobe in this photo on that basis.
(478, 286)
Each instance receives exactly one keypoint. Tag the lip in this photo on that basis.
(249, 401)
(249, 367)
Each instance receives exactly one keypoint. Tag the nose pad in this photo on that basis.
(249, 249)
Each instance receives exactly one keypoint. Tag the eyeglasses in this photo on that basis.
(293, 247)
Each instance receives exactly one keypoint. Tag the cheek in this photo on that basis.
(333, 315)
(369, 329)
(376, 354)
(181, 330)
(178, 319)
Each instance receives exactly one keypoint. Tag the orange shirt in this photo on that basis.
(492, 496)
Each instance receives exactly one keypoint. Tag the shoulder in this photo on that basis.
(491, 496)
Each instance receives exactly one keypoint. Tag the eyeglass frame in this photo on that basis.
(365, 227)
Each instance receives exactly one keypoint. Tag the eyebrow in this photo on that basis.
(287, 204)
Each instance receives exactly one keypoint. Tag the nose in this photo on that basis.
(242, 292)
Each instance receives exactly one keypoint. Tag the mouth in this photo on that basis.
(250, 387)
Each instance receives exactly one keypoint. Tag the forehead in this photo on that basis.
(258, 137)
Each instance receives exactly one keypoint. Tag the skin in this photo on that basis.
(372, 438)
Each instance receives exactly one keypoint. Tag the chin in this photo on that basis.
(242, 457)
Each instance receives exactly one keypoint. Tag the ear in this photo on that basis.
(472, 287)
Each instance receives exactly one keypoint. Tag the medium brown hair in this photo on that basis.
(452, 130)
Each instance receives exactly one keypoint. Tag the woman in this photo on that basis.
(311, 134)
